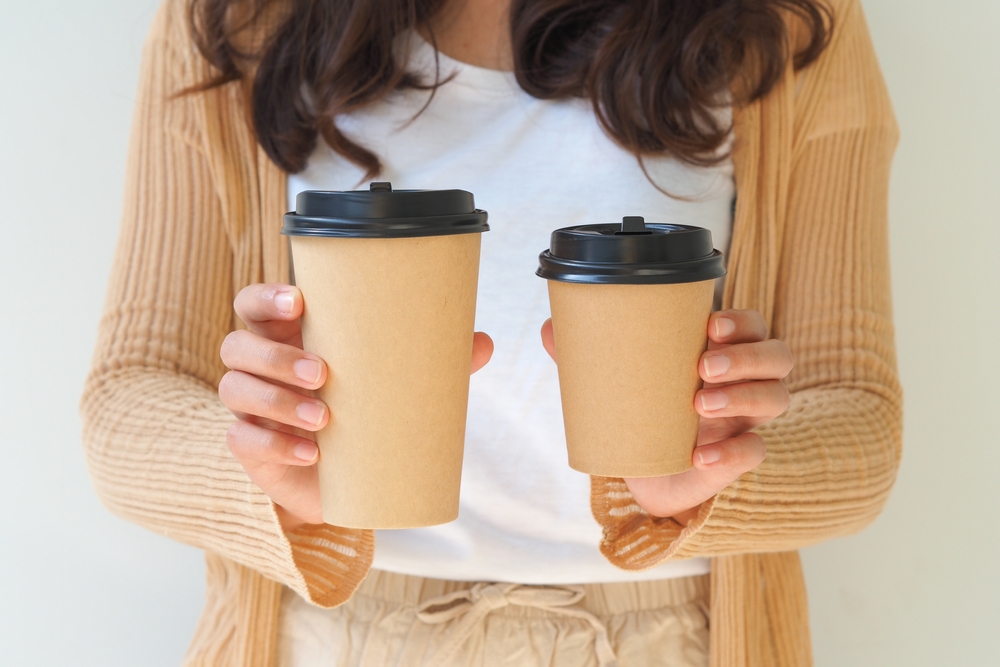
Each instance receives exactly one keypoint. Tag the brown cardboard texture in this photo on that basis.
(393, 318)
(628, 374)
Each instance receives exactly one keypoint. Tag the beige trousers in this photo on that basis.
(406, 621)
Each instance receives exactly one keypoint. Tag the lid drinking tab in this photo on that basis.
(633, 224)
(633, 252)
(381, 212)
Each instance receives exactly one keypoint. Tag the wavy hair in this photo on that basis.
(655, 71)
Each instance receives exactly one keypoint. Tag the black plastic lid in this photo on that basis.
(382, 213)
(631, 253)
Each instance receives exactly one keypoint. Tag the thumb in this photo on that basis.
(482, 350)
(548, 339)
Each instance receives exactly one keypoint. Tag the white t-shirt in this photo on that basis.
(534, 166)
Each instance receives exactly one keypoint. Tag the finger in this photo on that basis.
(482, 350)
(271, 310)
(736, 326)
(765, 360)
(243, 393)
(722, 462)
(548, 339)
(763, 398)
(251, 353)
(723, 428)
(249, 442)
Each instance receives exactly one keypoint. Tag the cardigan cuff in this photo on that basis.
(330, 562)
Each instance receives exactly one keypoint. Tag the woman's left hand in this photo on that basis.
(742, 371)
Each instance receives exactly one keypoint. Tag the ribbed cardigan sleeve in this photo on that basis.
(832, 457)
(154, 429)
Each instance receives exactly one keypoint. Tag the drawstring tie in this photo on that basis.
(474, 604)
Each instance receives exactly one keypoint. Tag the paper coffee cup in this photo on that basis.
(389, 281)
(630, 307)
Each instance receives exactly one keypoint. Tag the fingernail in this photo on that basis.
(284, 302)
(307, 370)
(724, 327)
(716, 365)
(311, 413)
(714, 400)
(306, 451)
(708, 455)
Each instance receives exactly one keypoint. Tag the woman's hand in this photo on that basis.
(742, 371)
(269, 391)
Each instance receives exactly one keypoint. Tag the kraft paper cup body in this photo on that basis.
(393, 319)
(628, 373)
(630, 307)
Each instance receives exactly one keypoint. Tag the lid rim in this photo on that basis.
(696, 270)
(381, 212)
(340, 227)
(634, 252)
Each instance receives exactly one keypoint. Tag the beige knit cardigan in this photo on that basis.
(201, 217)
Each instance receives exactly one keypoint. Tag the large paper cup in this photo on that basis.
(389, 281)
(630, 307)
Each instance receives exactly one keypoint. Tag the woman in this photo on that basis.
(242, 103)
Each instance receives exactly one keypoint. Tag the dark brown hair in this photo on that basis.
(656, 71)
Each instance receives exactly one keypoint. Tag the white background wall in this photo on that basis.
(922, 585)
(80, 587)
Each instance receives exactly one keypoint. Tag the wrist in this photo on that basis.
(685, 517)
(288, 521)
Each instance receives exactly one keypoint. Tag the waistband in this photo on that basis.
(598, 599)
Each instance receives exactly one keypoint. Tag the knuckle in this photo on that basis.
(784, 397)
(745, 398)
(230, 346)
(788, 357)
(753, 449)
(271, 357)
(270, 397)
(754, 360)
(228, 386)
(236, 436)
(765, 359)
(752, 322)
(739, 459)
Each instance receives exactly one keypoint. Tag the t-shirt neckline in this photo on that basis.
(481, 78)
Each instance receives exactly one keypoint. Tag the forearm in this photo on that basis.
(832, 459)
(155, 446)
(154, 427)
(810, 252)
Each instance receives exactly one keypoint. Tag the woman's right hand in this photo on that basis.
(268, 392)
